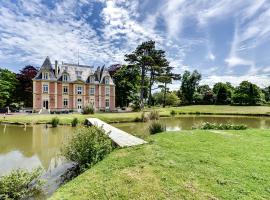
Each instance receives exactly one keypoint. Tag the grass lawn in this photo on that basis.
(128, 117)
(181, 165)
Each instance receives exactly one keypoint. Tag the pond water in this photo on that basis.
(186, 122)
(32, 146)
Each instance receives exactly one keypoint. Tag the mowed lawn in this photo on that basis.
(181, 165)
(128, 117)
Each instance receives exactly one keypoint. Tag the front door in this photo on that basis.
(79, 104)
(45, 104)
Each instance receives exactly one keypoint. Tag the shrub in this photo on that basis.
(214, 126)
(156, 127)
(20, 184)
(153, 115)
(55, 122)
(74, 122)
(173, 113)
(87, 146)
(88, 109)
(144, 117)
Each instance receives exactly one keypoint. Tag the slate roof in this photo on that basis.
(75, 72)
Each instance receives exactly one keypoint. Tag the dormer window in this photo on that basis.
(45, 75)
(79, 74)
(92, 79)
(107, 80)
(65, 77)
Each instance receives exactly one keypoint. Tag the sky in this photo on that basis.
(225, 40)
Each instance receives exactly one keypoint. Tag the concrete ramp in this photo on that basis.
(121, 138)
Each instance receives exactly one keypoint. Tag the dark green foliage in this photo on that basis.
(214, 126)
(223, 92)
(153, 115)
(204, 95)
(20, 184)
(127, 84)
(171, 98)
(156, 127)
(189, 85)
(8, 83)
(55, 122)
(89, 109)
(247, 93)
(173, 113)
(74, 122)
(24, 90)
(87, 146)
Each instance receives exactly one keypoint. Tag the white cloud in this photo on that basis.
(211, 56)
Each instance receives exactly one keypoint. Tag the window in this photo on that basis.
(79, 74)
(79, 90)
(65, 89)
(45, 75)
(107, 91)
(92, 91)
(65, 102)
(79, 100)
(65, 77)
(45, 88)
(107, 80)
(92, 79)
(107, 103)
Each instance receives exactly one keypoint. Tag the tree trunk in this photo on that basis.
(150, 90)
(164, 97)
(142, 87)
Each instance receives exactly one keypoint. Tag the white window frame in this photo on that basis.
(107, 101)
(107, 91)
(107, 80)
(92, 91)
(45, 75)
(65, 77)
(92, 79)
(65, 101)
(79, 91)
(79, 74)
(64, 89)
(79, 102)
(43, 88)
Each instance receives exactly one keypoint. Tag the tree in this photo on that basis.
(127, 82)
(152, 63)
(247, 93)
(171, 98)
(166, 78)
(8, 83)
(189, 85)
(223, 92)
(204, 95)
(24, 91)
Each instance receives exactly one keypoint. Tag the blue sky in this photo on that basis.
(225, 40)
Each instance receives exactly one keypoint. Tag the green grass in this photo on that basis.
(129, 117)
(181, 165)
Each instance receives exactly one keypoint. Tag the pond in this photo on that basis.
(32, 146)
(186, 122)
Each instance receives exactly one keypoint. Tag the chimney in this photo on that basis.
(56, 68)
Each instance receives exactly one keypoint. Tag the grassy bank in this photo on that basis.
(181, 165)
(129, 117)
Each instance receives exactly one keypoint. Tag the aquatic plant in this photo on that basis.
(74, 122)
(173, 113)
(228, 126)
(88, 109)
(55, 122)
(153, 115)
(156, 127)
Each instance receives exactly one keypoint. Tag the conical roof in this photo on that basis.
(47, 64)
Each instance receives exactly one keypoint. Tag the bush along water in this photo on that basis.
(173, 113)
(153, 115)
(88, 109)
(21, 184)
(87, 146)
(55, 122)
(74, 122)
(156, 127)
(214, 126)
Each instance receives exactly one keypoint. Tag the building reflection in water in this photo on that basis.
(31, 146)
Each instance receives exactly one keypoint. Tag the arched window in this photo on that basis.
(107, 80)
(91, 79)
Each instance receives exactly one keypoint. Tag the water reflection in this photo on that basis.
(187, 122)
(31, 146)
